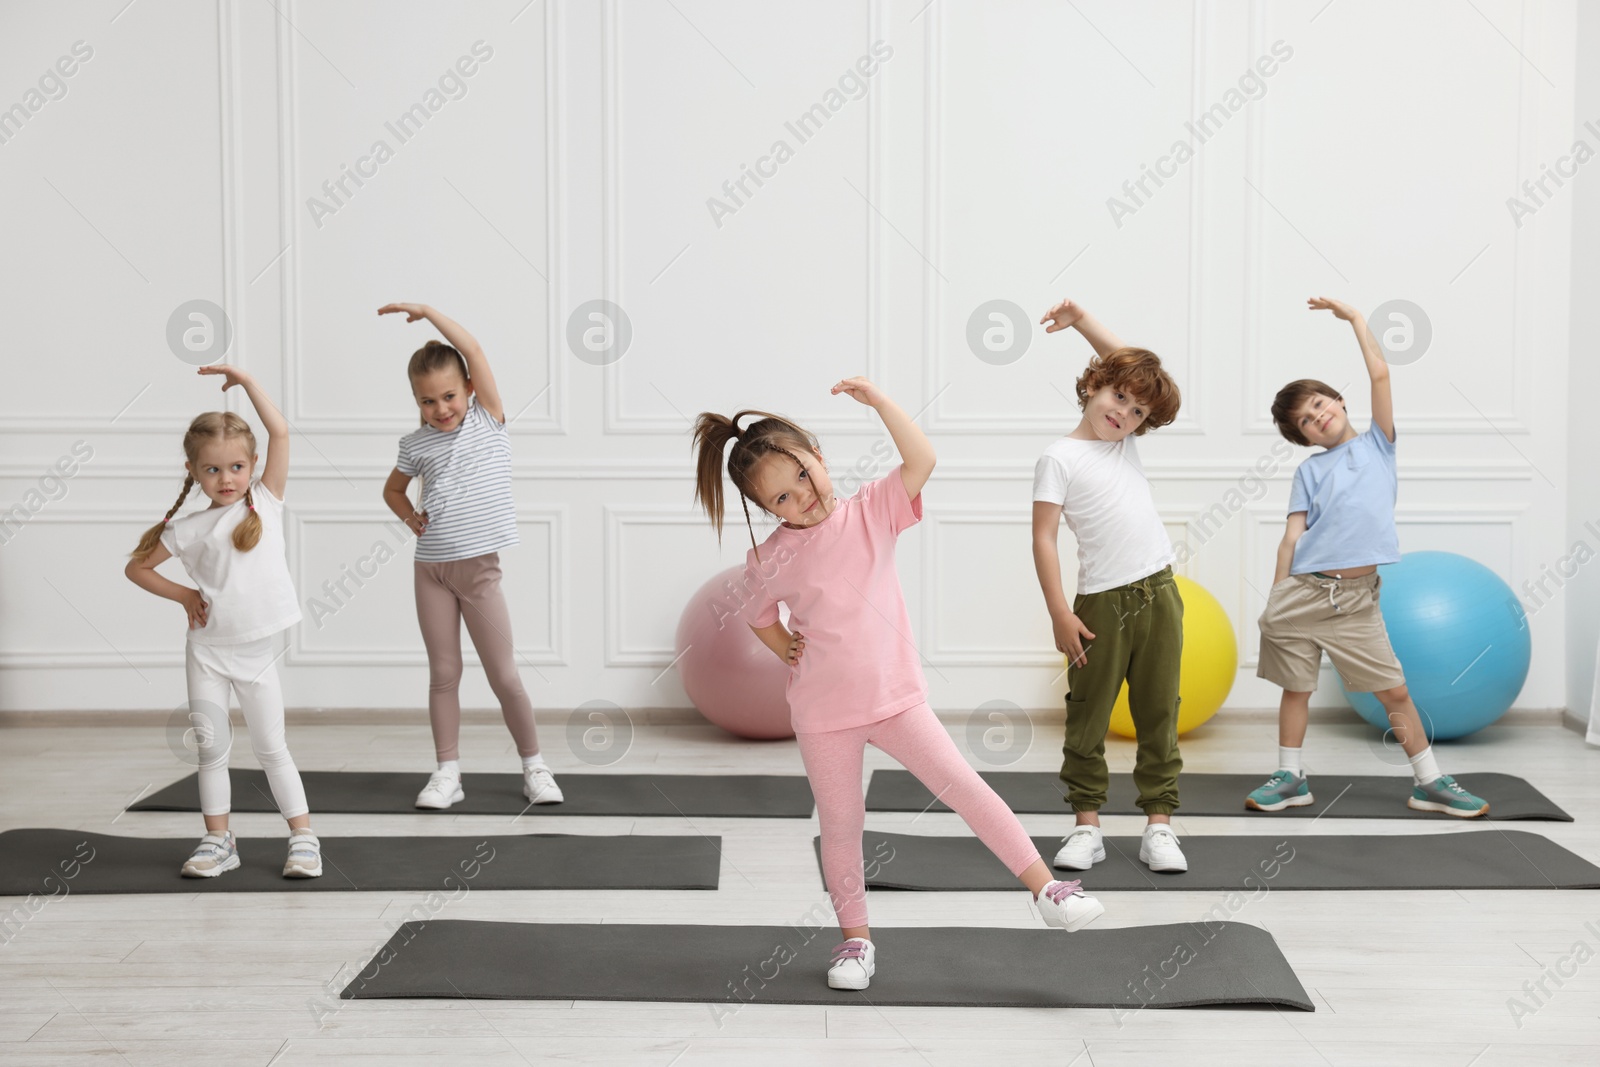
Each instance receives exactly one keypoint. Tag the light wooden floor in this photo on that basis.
(1398, 977)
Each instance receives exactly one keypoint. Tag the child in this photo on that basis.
(855, 678)
(1126, 594)
(463, 453)
(1325, 591)
(234, 552)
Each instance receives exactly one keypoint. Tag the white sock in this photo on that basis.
(1424, 768)
(452, 767)
(535, 760)
(1289, 760)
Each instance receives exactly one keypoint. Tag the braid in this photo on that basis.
(247, 534)
(750, 526)
(188, 483)
(152, 536)
(754, 448)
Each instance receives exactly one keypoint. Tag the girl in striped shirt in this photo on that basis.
(462, 452)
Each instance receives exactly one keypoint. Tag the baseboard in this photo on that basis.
(557, 717)
(552, 717)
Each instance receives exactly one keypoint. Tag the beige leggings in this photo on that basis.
(469, 590)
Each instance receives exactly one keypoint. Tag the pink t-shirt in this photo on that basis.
(839, 580)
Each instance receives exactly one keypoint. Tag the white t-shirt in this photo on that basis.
(1106, 499)
(466, 486)
(248, 595)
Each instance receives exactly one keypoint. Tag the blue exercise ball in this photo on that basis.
(1462, 638)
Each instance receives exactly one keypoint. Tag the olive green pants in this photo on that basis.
(1138, 636)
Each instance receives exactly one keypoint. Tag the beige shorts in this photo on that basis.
(1307, 615)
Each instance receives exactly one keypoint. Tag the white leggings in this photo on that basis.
(215, 672)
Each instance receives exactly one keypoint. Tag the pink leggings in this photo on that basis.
(918, 740)
(447, 594)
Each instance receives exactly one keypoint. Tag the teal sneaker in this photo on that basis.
(1283, 790)
(1443, 794)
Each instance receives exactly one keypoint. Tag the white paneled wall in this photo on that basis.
(777, 197)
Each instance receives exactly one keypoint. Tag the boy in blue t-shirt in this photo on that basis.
(1325, 591)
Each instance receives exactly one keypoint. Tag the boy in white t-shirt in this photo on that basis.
(1127, 603)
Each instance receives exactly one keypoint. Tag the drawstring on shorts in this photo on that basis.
(1331, 584)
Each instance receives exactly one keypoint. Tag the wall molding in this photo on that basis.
(668, 470)
(616, 419)
(1256, 553)
(290, 234)
(1519, 383)
(617, 520)
(297, 534)
(139, 518)
(940, 654)
(1188, 422)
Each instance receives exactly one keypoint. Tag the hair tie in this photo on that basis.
(252, 507)
(166, 520)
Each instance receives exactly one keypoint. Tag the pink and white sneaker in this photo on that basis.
(852, 966)
(1066, 906)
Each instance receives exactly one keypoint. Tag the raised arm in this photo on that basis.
(917, 458)
(483, 383)
(1067, 314)
(275, 474)
(1377, 367)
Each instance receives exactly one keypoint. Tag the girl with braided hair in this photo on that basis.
(855, 678)
(234, 552)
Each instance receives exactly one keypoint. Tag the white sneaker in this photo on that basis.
(305, 856)
(852, 966)
(443, 789)
(1066, 906)
(1159, 848)
(539, 785)
(214, 855)
(1081, 849)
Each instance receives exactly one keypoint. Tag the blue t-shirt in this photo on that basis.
(1348, 494)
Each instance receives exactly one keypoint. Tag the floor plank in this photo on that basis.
(1398, 977)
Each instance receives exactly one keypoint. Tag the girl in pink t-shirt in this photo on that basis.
(855, 674)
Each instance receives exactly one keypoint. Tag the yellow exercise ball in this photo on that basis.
(1209, 664)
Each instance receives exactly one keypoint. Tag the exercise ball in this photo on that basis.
(736, 681)
(1209, 663)
(1460, 635)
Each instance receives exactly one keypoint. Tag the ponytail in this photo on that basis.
(771, 434)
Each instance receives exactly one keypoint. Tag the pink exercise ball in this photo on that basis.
(736, 681)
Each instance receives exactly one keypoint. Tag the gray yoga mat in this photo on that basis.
(56, 862)
(1343, 796)
(763, 796)
(1484, 859)
(1182, 965)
